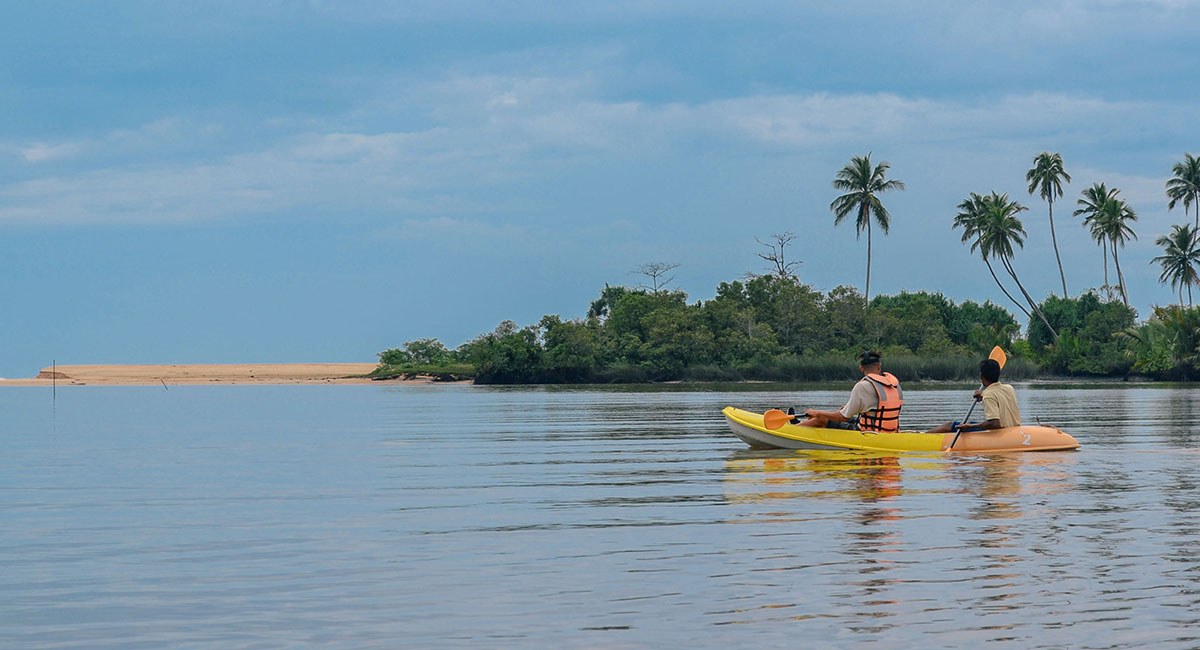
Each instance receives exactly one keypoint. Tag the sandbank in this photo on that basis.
(197, 374)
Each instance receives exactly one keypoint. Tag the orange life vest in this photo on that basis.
(885, 418)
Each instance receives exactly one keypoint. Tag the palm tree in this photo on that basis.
(971, 218)
(862, 183)
(1001, 230)
(1185, 186)
(1179, 259)
(1090, 201)
(1112, 218)
(993, 224)
(1046, 176)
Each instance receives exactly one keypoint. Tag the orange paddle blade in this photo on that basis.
(998, 356)
(775, 418)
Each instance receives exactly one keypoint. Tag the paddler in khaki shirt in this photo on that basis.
(999, 403)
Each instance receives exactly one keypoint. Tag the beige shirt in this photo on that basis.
(1000, 403)
(863, 398)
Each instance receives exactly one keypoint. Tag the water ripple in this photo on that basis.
(279, 517)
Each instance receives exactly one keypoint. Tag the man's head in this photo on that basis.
(989, 371)
(869, 362)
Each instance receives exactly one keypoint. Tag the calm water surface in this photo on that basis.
(460, 516)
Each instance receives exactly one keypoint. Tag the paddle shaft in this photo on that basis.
(959, 428)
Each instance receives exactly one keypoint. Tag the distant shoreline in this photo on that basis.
(209, 374)
(356, 373)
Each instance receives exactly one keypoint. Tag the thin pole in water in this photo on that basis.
(54, 380)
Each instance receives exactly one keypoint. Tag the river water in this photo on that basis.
(462, 516)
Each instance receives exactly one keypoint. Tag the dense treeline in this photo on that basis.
(768, 328)
(775, 328)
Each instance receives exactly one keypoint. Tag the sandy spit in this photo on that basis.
(225, 373)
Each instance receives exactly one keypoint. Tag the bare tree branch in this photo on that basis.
(776, 257)
(655, 272)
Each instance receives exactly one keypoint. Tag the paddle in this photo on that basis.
(775, 418)
(999, 357)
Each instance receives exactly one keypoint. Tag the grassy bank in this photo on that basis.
(822, 369)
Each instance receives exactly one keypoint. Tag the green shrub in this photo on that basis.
(446, 372)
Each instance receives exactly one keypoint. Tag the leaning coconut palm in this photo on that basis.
(970, 217)
(1046, 177)
(1184, 187)
(1000, 230)
(997, 230)
(1179, 259)
(862, 183)
(1090, 201)
(1113, 219)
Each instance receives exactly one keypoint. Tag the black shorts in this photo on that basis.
(849, 426)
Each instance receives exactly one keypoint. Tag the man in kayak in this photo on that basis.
(874, 403)
(999, 403)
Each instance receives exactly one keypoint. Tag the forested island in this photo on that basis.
(774, 327)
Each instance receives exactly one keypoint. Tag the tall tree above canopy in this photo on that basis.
(991, 224)
(1179, 260)
(1046, 177)
(862, 184)
(1091, 201)
(1114, 217)
(971, 217)
(1184, 187)
(776, 257)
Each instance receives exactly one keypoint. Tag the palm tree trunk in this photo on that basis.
(867, 289)
(1054, 239)
(1196, 202)
(1105, 251)
(1120, 276)
(1010, 297)
(1189, 278)
(1037, 310)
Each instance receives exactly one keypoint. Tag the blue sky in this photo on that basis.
(289, 182)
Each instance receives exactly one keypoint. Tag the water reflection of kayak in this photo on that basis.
(750, 428)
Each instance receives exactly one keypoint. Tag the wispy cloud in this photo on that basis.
(488, 131)
(162, 138)
(41, 152)
(1137, 190)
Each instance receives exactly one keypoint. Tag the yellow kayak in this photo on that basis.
(750, 428)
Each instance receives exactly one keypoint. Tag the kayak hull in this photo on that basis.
(749, 427)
